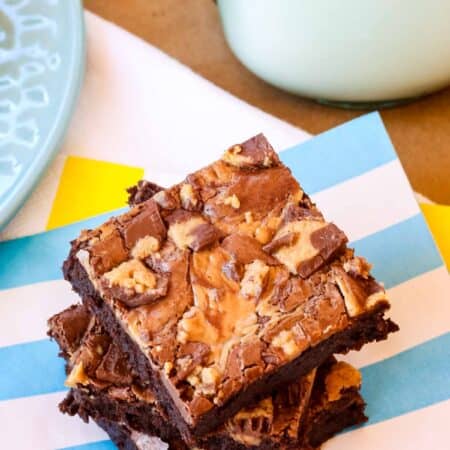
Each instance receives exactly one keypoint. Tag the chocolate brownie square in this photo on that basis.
(227, 286)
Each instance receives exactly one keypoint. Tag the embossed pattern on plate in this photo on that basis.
(41, 67)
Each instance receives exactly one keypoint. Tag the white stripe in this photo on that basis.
(35, 423)
(426, 428)
(421, 308)
(163, 178)
(369, 202)
(24, 311)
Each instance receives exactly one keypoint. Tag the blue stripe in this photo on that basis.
(39, 257)
(340, 154)
(99, 445)
(400, 252)
(410, 380)
(30, 369)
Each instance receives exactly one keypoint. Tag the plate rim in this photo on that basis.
(24, 186)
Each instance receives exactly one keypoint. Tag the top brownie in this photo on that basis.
(230, 283)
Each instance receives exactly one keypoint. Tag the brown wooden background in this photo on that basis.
(190, 31)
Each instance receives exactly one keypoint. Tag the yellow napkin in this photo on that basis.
(103, 183)
(438, 219)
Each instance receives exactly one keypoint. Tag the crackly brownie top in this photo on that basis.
(227, 276)
(96, 364)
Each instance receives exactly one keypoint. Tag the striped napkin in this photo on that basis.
(164, 120)
(356, 178)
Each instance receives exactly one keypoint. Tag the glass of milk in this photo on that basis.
(356, 53)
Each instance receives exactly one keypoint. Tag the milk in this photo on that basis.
(343, 50)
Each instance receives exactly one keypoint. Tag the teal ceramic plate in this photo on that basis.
(41, 69)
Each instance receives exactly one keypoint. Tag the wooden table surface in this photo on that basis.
(190, 31)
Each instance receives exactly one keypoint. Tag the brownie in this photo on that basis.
(104, 388)
(142, 191)
(227, 286)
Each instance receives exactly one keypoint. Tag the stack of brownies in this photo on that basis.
(211, 312)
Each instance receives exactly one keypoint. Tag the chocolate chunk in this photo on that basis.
(245, 249)
(131, 298)
(199, 405)
(357, 291)
(308, 267)
(69, 327)
(180, 216)
(164, 349)
(281, 287)
(143, 191)
(198, 351)
(296, 293)
(328, 240)
(147, 223)
(191, 229)
(316, 242)
(200, 182)
(251, 354)
(113, 367)
(204, 235)
(245, 362)
(252, 154)
(190, 356)
(233, 368)
(92, 351)
(324, 316)
(286, 240)
(285, 324)
(108, 253)
(259, 192)
(294, 213)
